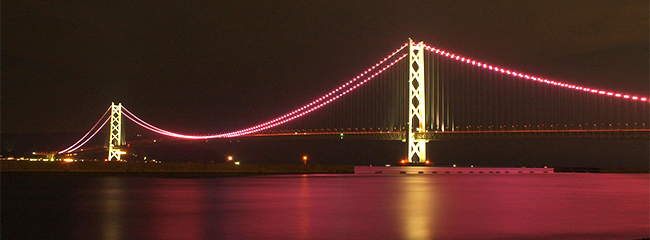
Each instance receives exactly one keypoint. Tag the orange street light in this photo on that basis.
(304, 159)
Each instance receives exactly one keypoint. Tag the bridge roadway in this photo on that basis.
(638, 134)
(447, 135)
(452, 135)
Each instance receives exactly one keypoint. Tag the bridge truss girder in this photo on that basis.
(534, 134)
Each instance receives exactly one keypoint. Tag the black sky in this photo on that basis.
(200, 66)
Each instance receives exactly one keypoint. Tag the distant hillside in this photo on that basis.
(25, 144)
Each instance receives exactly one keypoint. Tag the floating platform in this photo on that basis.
(446, 170)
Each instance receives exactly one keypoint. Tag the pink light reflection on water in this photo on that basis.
(449, 207)
(359, 206)
(600, 206)
(179, 206)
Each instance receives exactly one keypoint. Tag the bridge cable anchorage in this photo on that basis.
(76, 145)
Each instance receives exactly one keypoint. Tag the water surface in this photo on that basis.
(354, 206)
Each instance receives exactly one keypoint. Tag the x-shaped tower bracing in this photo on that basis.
(115, 140)
(417, 151)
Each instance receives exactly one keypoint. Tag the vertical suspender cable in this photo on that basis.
(502, 94)
(435, 95)
(443, 109)
(492, 106)
(473, 93)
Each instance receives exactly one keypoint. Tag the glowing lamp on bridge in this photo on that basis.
(304, 159)
(229, 158)
(427, 162)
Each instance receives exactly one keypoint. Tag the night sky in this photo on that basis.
(200, 66)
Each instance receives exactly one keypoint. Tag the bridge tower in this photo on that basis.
(115, 141)
(417, 151)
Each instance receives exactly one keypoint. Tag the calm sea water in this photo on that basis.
(355, 206)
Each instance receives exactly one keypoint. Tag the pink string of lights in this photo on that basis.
(532, 78)
(88, 139)
(325, 100)
(328, 95)
(338, 93)
(76, 145)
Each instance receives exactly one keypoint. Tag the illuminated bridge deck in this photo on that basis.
(452, 135)
(437, 136)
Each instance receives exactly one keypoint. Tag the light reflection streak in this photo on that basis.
(417, 208)
(113, 208)
(304, 208)
(180, 207)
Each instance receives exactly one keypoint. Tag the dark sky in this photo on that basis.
(200, 66)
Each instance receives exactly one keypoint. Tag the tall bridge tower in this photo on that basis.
(417, 151)
(115, 141)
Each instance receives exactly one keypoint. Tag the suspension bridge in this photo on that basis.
(420, 93)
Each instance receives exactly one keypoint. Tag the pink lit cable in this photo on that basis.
(324, 97)
(532, 78)
(152, 128)
(328, 95)
(275, 122)
(267, 126)
(67, 150)
(95, 133)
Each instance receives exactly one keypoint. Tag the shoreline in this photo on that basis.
(230, 169)
(192, 169)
